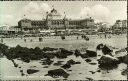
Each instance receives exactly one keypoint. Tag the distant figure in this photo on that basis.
(40, 39)
(77, 37)
(24, 40)
(31, 40)
(62, 37)
(82, 36)
(1, 40)
(21, 37)
(85, 37)
(105, 36)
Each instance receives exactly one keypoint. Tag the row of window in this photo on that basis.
(57, 22)
(74, 23)
(37, 23)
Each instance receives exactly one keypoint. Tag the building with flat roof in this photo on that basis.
(55, 21)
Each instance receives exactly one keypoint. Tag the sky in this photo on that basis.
(100, 11)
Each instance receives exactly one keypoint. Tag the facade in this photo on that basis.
(120, 26)
(55, 21)
(7, 30)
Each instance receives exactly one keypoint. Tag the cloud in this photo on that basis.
(101, 13)
(98, 12)
(45, 7)
(6, 19)
(36, 10)
(85, 12)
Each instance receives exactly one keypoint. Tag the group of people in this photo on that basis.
(83, 37)
(40, 40)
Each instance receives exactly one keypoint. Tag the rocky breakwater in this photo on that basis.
(109, 59)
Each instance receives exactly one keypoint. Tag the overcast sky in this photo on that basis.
(105, 11)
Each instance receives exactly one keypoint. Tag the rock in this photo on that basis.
(107, 59)
(66, 66)
(90, 79)
(57, 72)
(49, 49)
(19, 67)
(69, 70)
(84, 56)
(125, 72)
(98, 70)
(15, 65)
(99, 47)
(77, 53)
(31, 71)
(57, 64)
(71, 62)
(78, 63)
(63, 53)
(3, 49)
(108, 62)
(47, 62)
(89, 53)
(22, 74)
(45, 67)
(92, 72)
(126, 49)
(88, 60)
(93, 63)
(49, 55)
(123, 59)
(106, 50)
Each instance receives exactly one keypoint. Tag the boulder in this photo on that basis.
(45, 67)
(77, 53)
(66, 66)
(107, 59)
(99, 47)
(108, 62)
(49, 49)
(78, 63)
(123, 59)
(57, 72)
(47, 62)
(71, 62)
(57, 64)
(106, 50)
(63, 53)
(89, 53)
(88, 60)
(93, 63)
(125, 72)
(31, 71)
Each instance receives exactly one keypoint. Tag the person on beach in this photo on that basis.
(31, 40)
(62, 37)
(77, 37)
(40, 39)
(24, 40)
(1, 40)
